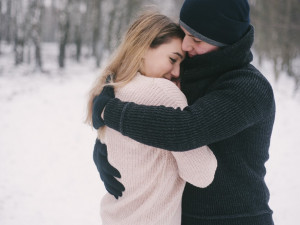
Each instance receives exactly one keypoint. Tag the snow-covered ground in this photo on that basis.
(47, 175)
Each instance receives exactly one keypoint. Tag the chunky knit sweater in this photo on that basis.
(231, 110)
(154, 178)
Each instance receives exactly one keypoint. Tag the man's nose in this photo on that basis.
(186, 46)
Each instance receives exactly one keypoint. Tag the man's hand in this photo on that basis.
(99, 104)
(107, 172)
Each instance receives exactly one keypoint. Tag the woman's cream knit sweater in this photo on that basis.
(154, 178)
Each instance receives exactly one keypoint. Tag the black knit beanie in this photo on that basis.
(217, 22)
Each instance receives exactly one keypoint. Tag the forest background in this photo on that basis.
(93, 28)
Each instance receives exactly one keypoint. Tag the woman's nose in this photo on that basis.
(176, 71)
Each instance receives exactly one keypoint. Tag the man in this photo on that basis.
(231, 109)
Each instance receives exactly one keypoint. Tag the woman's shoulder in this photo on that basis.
(152, 91)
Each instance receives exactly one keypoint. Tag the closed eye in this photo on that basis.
(196, 41)
(172, 60)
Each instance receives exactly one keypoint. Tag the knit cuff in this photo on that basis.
(113, 114)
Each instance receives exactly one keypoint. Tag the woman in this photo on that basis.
(147, 60)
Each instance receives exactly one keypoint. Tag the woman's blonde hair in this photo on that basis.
(149, 30)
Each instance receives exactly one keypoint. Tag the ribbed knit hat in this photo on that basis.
(217, 22)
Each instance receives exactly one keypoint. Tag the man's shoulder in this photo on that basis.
(247, 76)
(246, 83)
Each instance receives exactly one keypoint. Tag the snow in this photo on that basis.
(283, 165)
(47, 175)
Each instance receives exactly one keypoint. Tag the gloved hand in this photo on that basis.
(107, 172)
(99, 104)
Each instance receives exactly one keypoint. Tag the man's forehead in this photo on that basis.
(188, 33)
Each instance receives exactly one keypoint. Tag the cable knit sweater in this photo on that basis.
(154, 178)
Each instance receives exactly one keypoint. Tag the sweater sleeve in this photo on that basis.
(197, 166)
(235, 102)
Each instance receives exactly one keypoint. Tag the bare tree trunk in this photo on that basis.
(19, 33)
(28, 53)
(36, 12)
(78, 42)
(62, 44)
(287, 50)
(8, 20)
(112, 19)
(78, 22)
(1, 24)
(275, 68)
(38, 56)
(97, 31)
(19, 48)
(64, 25)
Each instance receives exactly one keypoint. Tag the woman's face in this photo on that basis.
(164, 60)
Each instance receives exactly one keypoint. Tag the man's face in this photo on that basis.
(194, 46)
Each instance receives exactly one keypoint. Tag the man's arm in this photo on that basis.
(232, 105)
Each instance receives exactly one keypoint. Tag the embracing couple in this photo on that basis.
(184, 121)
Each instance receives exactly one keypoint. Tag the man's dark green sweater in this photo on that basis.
(231, 109)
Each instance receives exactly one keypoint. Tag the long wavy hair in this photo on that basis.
(149, 30)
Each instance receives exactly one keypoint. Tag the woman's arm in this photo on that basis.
(233, 104)
(197, 166)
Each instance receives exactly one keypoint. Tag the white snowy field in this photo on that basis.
(47, 175)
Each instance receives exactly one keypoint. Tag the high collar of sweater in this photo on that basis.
(220, 61)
